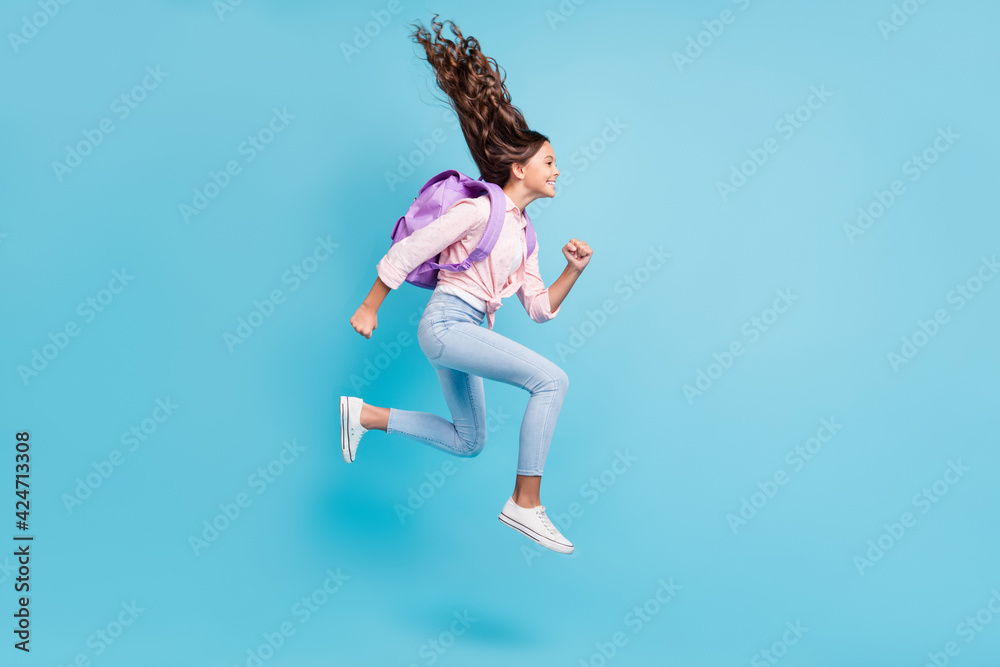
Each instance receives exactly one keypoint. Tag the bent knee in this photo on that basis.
(561, 379)
(475, 447)
(554, 380)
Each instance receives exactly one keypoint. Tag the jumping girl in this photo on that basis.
(450, 332)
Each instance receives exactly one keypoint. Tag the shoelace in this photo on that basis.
(540, 511)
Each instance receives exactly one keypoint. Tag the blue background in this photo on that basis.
(651, 183)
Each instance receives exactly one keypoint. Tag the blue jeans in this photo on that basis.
(464, 352)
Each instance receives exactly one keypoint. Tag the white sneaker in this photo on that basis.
(533, 523)
(351, 429)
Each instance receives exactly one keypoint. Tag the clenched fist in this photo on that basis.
(365, 320)
(577, 253)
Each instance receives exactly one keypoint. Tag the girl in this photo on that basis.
(450, 332)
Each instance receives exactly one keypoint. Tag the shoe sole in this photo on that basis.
(530, 534)
(345, 439)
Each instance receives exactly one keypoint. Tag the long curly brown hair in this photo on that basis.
(494, 129)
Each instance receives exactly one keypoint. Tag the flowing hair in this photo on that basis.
(494, 129)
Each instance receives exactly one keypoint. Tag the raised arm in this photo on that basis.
(543, 303)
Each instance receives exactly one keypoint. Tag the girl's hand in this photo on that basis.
(577, 254)
(365, 320)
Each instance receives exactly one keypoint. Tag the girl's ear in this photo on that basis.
(517, 170)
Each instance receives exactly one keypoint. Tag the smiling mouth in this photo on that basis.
(552, 183)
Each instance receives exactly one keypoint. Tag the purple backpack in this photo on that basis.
(434, 199)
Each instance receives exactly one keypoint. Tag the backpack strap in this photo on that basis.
(529, 234)
(498, 211)
(494, 225)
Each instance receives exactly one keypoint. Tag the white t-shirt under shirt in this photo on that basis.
(473, 301)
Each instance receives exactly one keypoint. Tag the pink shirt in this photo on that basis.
(455, 235)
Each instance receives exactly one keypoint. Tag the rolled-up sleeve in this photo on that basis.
(428, 242)
(534, 295)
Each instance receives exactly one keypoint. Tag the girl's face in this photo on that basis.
(540, 172)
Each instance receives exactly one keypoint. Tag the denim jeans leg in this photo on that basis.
(487, 354)
(465, 435)
(463, 353)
